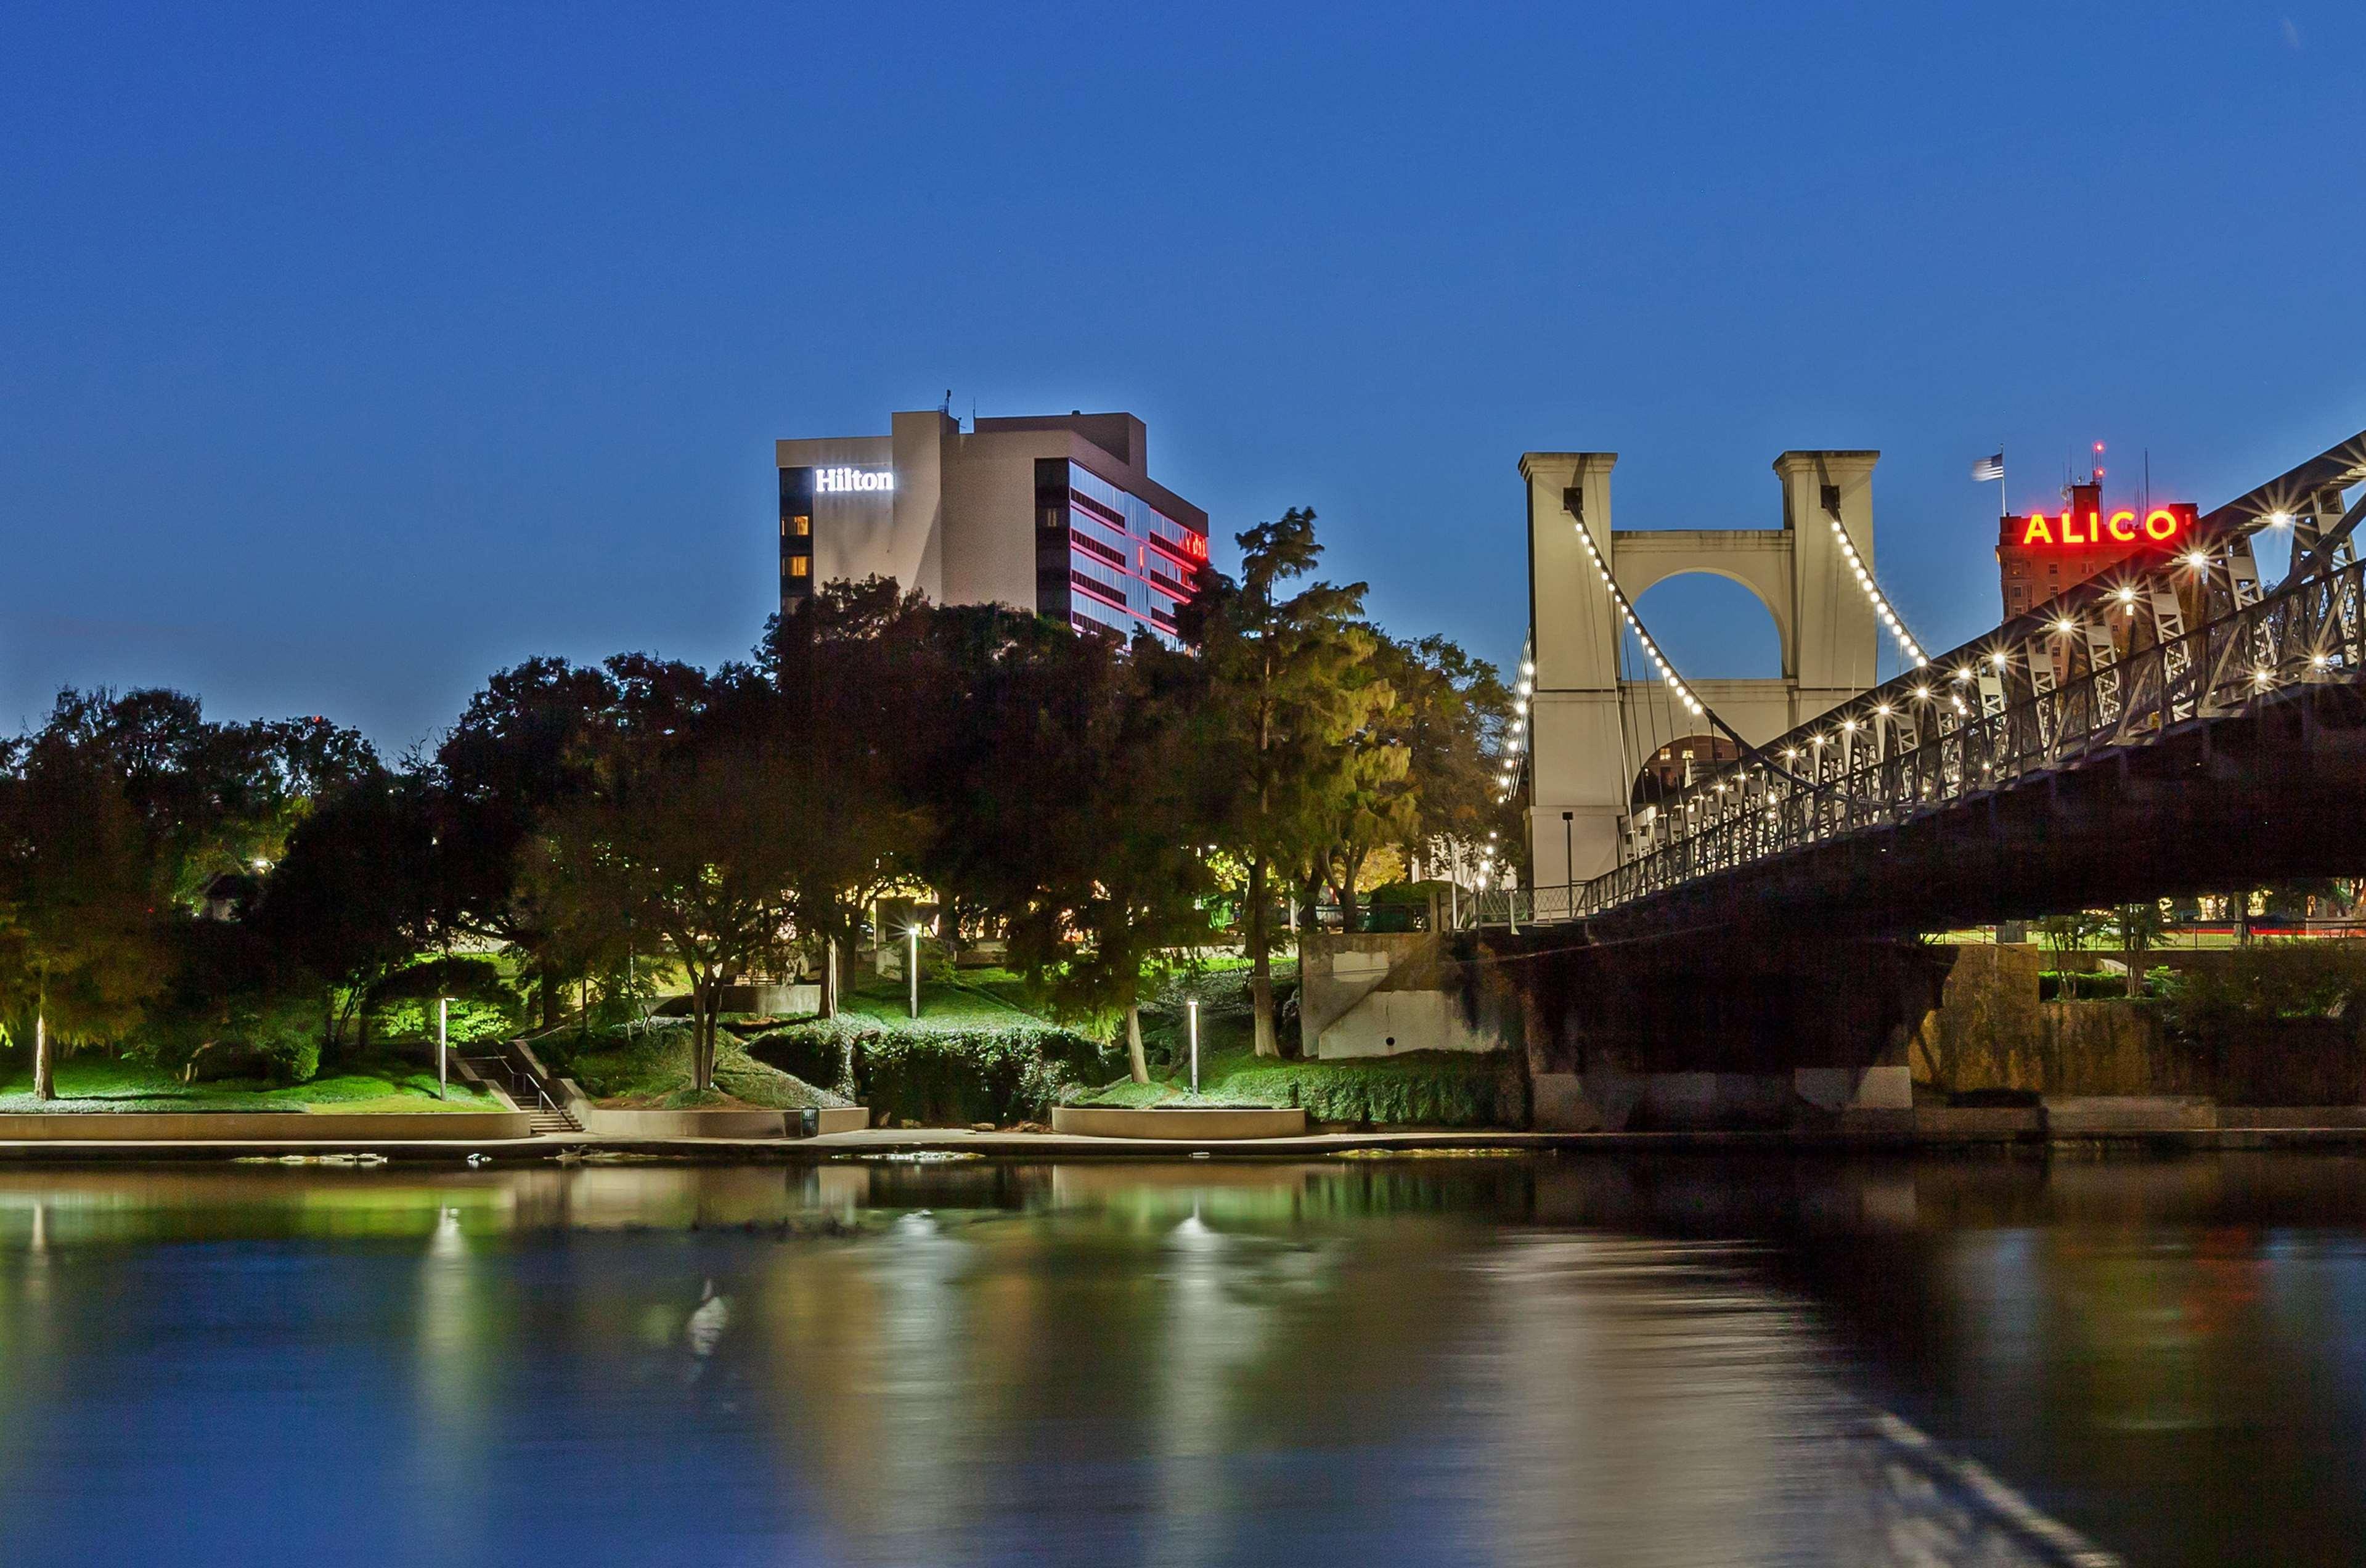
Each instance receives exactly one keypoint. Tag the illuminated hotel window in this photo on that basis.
(800, 565)
(801, 527)
(1107, 557)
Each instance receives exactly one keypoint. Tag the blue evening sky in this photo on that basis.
(347, 352)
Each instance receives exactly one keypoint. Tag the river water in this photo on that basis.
(1483, 1361)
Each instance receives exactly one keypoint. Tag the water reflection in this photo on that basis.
(1404, 1361)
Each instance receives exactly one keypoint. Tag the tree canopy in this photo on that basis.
(1103, 808)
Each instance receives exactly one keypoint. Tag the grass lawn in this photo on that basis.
(978, 996)
(91, 1083)
(651, 1072)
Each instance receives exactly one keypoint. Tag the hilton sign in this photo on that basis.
(839, 482)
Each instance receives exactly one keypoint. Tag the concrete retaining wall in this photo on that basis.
(1610, 1100)
(263, 1127)
(1990, 1031)
(771, 1000)
(1181, 1125)
(683, 1123)
(1383, 994)
(609, 1123)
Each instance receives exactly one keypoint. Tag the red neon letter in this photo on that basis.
(2160, 523)
(2125, 534)
(2037, 533)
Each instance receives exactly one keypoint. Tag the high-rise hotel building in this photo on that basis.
(1057, 514)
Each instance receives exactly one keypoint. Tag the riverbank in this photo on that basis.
(2070, 1129)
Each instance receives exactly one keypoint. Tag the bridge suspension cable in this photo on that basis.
(1891, 619)
(1626, 608)
(1663, 671)
(1516, 737)
(1667, 691)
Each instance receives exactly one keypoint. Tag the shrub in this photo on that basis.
(245, 1036)
(2080, 986)
(1224, 993)
(2272, 980)
(951, 1073)
(650, 1064)
(480, 1005)
(821, 1053)
(466, 1021)
(292, 1058)
(1426, 1088)
(228, 1010)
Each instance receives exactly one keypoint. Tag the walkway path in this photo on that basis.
(2275, 1130)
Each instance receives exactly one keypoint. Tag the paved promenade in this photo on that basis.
(1926, 1132)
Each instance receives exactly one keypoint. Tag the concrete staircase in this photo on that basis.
(517, 1072)
(552, 1118)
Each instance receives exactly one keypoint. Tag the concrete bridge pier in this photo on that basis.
(1710, 1030)
(1738, 1028)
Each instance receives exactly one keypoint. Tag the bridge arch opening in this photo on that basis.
(1675, 766)
(1712, 626)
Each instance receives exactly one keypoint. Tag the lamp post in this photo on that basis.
(1191, 1017)
(1569, 848)
(912, 966)
(443, 1039)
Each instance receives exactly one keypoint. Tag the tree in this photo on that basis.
(1085, 823)
(522, 750)
(79, 954)
(862, 696)
(1451, 715)
(210, 798)
(2068, 932)
(2139, 925)
(353, 899)
(681, 838)
(1277, 716)
(1368, 803)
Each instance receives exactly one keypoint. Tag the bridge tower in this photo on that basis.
(1584, 757)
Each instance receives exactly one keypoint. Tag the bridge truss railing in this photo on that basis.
(1951, 740)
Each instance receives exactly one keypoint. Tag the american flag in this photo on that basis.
(1988, 470)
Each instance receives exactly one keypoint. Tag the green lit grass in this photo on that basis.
(980, 996)
(651, 1071)
(96, 1084)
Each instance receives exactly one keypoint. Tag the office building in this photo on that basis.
(1057, 514)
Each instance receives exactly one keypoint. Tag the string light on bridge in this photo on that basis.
(1515, 738)
(1666, 672)
(1881, 606)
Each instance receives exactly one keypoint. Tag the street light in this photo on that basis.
(912, 966)
(1191, 1017)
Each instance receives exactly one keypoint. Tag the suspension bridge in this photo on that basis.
(2172, 725)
